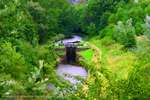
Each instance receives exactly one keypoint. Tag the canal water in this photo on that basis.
(72, 73)
(74, 38)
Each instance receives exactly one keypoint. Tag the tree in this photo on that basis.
(12, 62)
(98, 12)
(19, 25)
(69, 21)
(48, 15)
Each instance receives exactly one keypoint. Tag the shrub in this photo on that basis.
(91, 29)
(124, 34)
(12, 62)
(147, 26)
(147, 10)
(107, 31)
(138, 85)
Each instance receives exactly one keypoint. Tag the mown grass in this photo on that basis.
(87, 54)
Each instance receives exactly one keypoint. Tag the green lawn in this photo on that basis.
(87, 54)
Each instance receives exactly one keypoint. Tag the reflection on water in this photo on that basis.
(71, 72)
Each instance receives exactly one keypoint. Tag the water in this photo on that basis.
(74, 1)
(71, 72)
(74, 38)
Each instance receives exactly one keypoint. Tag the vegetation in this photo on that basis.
(118, 61)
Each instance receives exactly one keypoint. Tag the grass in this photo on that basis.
(113, 58)
(121, 65)
(110, 70)
(87, 54)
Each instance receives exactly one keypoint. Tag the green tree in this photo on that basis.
(19, 25)
(69, 21)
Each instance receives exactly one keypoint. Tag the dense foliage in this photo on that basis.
(118, 61)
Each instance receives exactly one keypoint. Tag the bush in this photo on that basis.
(107, 31)
(138, 85)
(12, 62)
(147, 26)
(125, 34)
(147, 10)
(91, 29)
